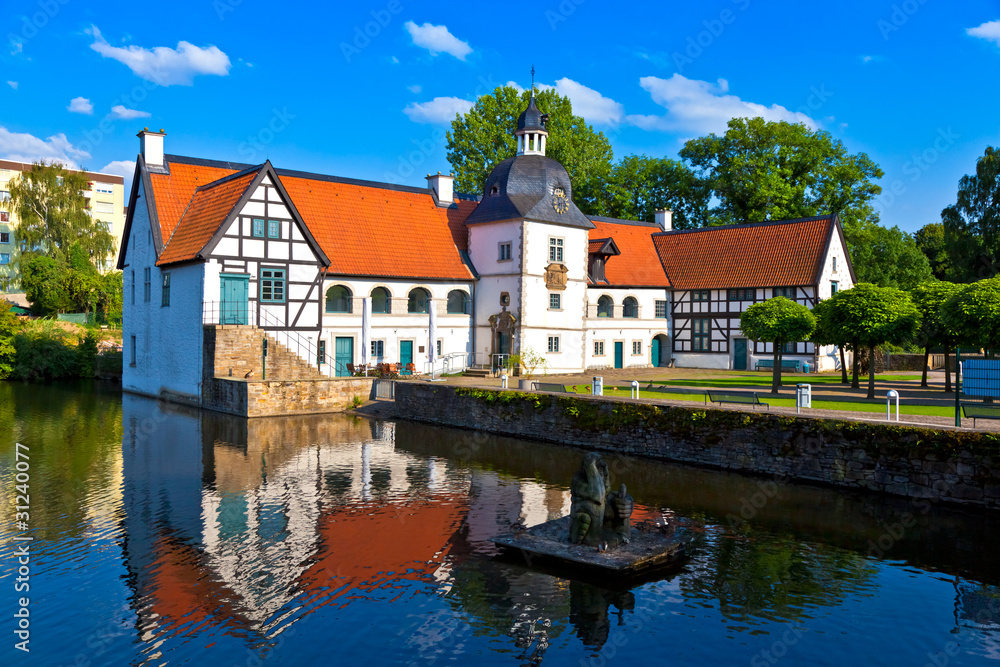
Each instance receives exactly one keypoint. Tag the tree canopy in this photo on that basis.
(52, 214)
(930, 240)
(55, 286)
(972, 223)
(777, 321)
(886, 256)
(829, 332)
(929, 297)
(638, 185)
(972, 314)
(762, 170)
(874, 316)
(484, 137)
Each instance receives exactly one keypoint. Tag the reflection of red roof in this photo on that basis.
(209, 207)
(358, 548)
(638, 264)
(788, 253)
(370, 229)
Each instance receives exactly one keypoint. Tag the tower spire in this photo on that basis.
(531, 133)
(532, 80)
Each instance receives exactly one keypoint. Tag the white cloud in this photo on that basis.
(120, 111)
(163, 65)
(438, 111)
(989, 30)
(24, 147)
(12, 84)
(123, 168)
(414, 89)
(871, 59)
(395, 60)
(587, 102)
(437, 39)
(80, 105)
(701, 107)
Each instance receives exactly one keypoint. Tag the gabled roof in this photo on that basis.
(210, 206)
(603, 247)
(360, 227)
(638, 264)
(781, 253)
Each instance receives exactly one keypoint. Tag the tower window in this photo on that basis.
(555, 249)
(494, 190)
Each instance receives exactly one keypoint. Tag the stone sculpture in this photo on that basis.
(598, 517)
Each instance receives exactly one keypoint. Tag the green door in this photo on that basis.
(405, 352)
(740, 354)
(344, 354)
(619, 355)
(234, 299)
(654, 352)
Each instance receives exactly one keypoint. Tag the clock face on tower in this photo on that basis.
(559, 201)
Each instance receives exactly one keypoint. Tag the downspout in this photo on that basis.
(472, 337)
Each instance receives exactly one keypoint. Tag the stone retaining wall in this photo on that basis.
(268, 398)
(950, 466)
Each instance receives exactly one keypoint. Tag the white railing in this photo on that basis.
(454, 362)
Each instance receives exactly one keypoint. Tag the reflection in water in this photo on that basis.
(186, 534)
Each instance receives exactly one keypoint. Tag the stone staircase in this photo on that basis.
(476, 372)
(233, 350)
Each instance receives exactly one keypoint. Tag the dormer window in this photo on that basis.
(494, 190)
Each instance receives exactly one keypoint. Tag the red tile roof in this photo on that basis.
(752, 255)
(209, 207)
(363, 228)
(638, 264)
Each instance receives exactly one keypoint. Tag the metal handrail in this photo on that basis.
(453, 362)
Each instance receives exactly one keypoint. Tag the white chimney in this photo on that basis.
(443, 187)
(151, 147)
(664, 218)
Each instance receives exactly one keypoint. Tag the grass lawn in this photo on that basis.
(764, 380)
(858, 405)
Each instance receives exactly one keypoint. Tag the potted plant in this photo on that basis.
(527, 360)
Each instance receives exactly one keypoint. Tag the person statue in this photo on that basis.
(598, 516)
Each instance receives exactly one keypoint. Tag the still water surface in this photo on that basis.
(167, 536)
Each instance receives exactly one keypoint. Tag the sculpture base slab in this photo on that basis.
(649, 549)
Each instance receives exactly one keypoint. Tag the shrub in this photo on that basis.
(43, 351)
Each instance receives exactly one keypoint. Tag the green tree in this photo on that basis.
(828, 332)
(886, 256)
(639, 185)
(972, 223)
(929, 297)
(972, 314)
(9, 326)
(484, 137)
(930, 240)
(52, 214)
(44, 282)
(777, 321)
(874, 316)
(760, 170)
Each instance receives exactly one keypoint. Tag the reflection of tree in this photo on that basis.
(74, 436)
(771, 577)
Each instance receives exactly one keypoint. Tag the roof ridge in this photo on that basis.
(226, 179)
(747, 225)
(622, 221)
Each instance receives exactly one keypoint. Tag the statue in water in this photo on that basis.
(598, 515)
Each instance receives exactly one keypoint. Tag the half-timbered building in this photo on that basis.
(341, 271)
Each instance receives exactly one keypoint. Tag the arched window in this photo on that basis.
(458, 302)
(419, 301)
(630, 307)
(381, 301)
(605, 307)
(338, 299)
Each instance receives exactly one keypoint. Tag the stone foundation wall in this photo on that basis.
(950, 466)
(283, 397)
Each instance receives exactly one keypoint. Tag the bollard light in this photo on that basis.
(635, 389)
(893, 394)
(503, 381)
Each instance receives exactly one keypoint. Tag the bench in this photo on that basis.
(745, 397)
(786, 364)
(976, 411)
(549, 386)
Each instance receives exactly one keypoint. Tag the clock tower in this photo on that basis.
(529, 243)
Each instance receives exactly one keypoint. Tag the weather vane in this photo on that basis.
(532, 78)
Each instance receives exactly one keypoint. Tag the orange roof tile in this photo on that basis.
(373, 231)
(209, 207)
(172, 192)
(638, 265)
(752, 255)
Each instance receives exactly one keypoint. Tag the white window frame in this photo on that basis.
(378, 349)
(505, 251)
(555, 297)
(636, 348)
(557, 245)
(598, 348)
(553, 345)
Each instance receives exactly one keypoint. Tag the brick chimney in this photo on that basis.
(443, 187)
(151, 147)
(664, 218)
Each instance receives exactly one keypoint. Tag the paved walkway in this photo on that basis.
(910, 391)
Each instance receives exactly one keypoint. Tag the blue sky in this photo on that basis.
(367, 89)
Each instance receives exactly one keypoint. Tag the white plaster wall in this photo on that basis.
(453, 330)
(168, 340)
(690, 360)
(841, 275)
(627, 330)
